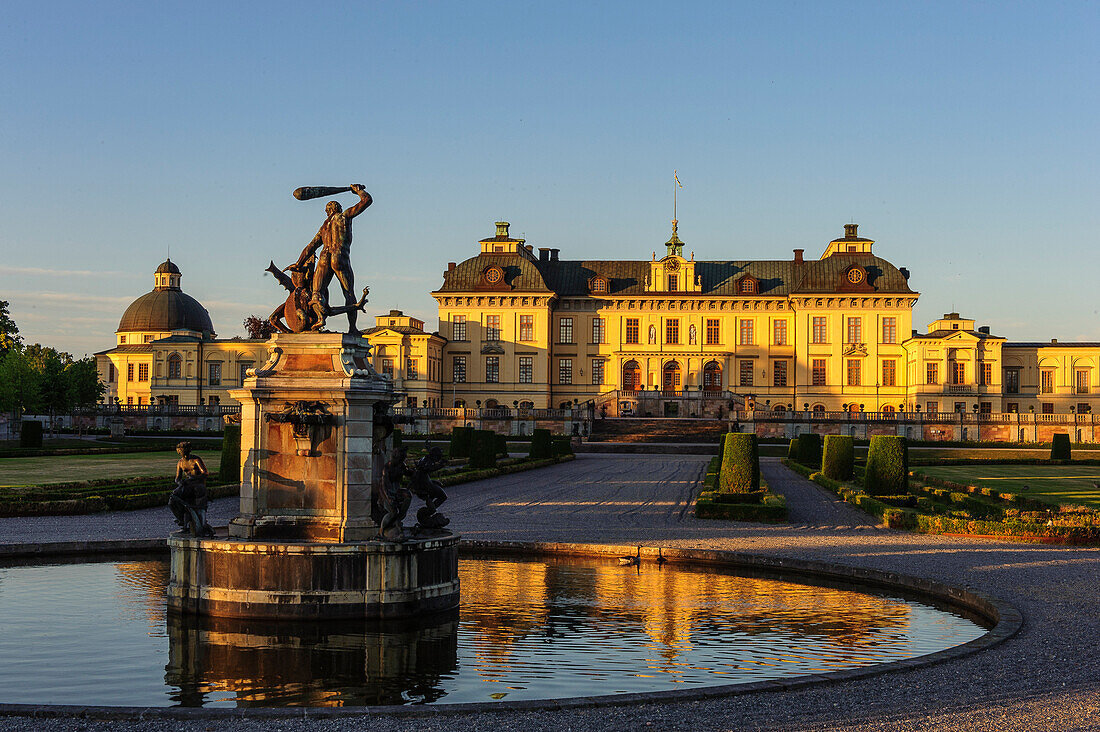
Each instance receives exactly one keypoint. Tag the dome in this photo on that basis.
(166, 310)
(167, 268)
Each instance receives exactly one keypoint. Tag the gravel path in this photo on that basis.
(1047, 677)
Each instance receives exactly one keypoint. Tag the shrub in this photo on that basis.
(740, 472)
(1059, 448)
(838, 457)
(887, 466)
(230, 469)
(562, 446)
(792, 450)
(500, 444)
(30, 434)
(906, 501)
(809, 450)
(462, 439)
(925, 505)
(541, 447)
(483, 451)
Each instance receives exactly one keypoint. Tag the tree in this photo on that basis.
(18, 383)
(82, 384)
(9, 331)
(258, 328)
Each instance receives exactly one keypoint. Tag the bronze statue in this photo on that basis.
(334, 241)
(188, 501)
(395, 497)
(296, 314)
(429, 491)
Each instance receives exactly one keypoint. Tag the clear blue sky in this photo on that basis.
(962, 137)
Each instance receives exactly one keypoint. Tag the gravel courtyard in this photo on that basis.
(1047, 677)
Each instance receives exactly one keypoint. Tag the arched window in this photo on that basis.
(779, 408)
(819, 407)
(526, 405)
(460, 403)
(888, 409)
(712, 376)
(853, 408)
(491, 404)
(175, 366)
(671, 376)
(632, 376)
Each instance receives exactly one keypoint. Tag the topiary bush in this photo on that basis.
(500, 444)
(740, 471)
(1059, 447)
(562, 446)
(30, 434)
(462, 439)
(541, 447)
(887, 471)
(230, 468)
(792, 450)
(809, 449)
(838, 457)
(483, 451)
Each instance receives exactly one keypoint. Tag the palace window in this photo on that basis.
(214, 374)
(1082, 383)
(565, 371)
(387, 367)
(714, 334)
(565, 330)
(745, 332)
(672, 331)
(855, 330)
(932, 373)
(932, 407)
(129, 400)
(819, 333)
(746, 286)
(458, 328)
(779, 332)
(958, 373)
(631, 330)
(597, 371)
(985, 407)
(889, 330)
(889, 373)
(819, 372)
(492, 369)
(1048, 407)
(143, 372)
(492, 327)
(244, 366)
(1012, 381)
(599, 285)
(175, 366)
(1012, 407)
(985, 373)
(129, 372)
(673, 282)
(745, 374)
(122, 339)
(1084, 408)
(779, 373)
(458, 370)
(111, 373)
(526, 369)
(853, 372)
(1046, 381)
(527, 327)
(597, 330)
(411, 370)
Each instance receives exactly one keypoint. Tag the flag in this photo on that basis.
(677, 179)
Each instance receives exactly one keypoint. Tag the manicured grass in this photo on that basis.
(1055, 484)
(65, 468)
(59, 443)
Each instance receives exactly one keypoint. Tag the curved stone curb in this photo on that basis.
(1006, 618)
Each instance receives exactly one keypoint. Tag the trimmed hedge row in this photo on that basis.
(772, 510)
(96, 502)
(519, 466)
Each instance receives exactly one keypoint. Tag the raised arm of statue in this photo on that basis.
(364, 201)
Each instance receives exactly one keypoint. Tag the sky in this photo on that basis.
(962, 137)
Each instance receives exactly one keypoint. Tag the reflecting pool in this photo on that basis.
(97, 633)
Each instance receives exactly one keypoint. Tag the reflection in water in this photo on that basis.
(526, 629)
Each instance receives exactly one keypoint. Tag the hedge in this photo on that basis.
(1059, 448)
(838, 458)
(740, 471)
(809, 449)
(230, 468)
(483, 451)
(562, 446)
(93, 499)
(772, 510)
(541, 446)
(500, 444)
(30, 434)
(462, 442)
(887, 471)
(792, 449)
(524, 464)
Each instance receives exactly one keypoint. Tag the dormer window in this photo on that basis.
(599, 286)
(747, 286)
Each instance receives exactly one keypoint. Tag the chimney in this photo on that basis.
(554, 255)
(1053, 340)
(450, 266)
(502, 229)
(915, 333)
(904, 273)
(984, 329)
(798, 256)
(850, 231)
(528, 247)
(544, 254)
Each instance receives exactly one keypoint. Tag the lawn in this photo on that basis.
(65, 468)
(1064, 484)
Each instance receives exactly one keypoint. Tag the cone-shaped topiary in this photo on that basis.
(540, 445)
(740, 472)
(483, 452)
(792, 450)
(887, 466)
(462, 439)
(809, 449)
(1060, 447)
(838, 457)
(230, 468)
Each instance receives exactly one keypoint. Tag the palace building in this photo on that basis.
(668, 336)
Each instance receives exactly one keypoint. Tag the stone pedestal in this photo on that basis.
(314, 439)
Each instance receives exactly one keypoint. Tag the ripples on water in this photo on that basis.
(527, 629)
